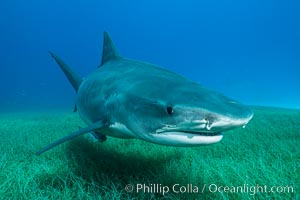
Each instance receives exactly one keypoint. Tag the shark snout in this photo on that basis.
(227, 122)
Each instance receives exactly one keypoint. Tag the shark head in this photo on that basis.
(159, 106)
(179, 112)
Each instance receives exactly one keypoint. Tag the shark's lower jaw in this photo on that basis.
(186, 139)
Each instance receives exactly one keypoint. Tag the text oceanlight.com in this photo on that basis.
(212, 188)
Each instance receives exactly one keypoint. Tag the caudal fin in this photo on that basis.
(73, 77)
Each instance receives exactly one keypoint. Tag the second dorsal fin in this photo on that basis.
(109, 50)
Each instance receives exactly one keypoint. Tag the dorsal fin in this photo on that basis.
(109, 50)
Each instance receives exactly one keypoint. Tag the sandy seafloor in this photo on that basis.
(266, 153)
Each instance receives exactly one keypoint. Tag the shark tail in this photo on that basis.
(73, 77)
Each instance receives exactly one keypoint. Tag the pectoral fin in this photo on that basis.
(92, 127)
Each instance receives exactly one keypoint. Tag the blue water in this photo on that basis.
(249, 50)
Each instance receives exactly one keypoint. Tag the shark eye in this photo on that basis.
(170, 110)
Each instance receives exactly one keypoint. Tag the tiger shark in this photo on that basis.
(125, 98)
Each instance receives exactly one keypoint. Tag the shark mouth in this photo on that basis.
(188, 134)
(203, 133)
(184, 138)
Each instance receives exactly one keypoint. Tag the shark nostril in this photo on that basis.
(210, 119)
(208, 124)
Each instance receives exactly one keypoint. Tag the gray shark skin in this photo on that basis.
(126, 99)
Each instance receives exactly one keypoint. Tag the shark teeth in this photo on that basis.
(187, 126)
(166, 128)
(204, 133)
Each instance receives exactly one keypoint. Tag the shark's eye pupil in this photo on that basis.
(170, 110)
